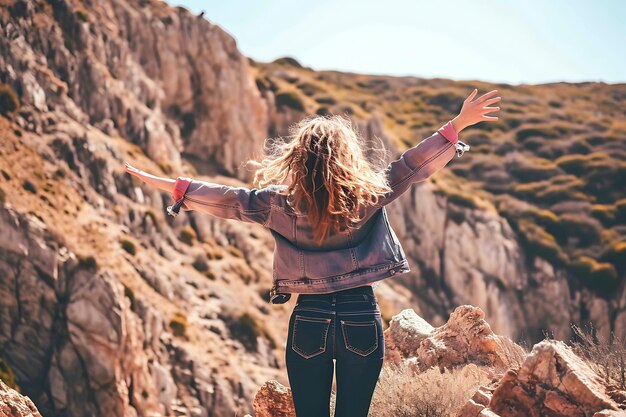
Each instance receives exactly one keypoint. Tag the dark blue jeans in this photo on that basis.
(343, 325)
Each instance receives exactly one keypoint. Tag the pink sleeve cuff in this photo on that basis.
(448, 132)
(180, 187)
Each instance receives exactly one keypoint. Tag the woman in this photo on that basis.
(324, 203)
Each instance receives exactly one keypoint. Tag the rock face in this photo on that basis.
(12, 404)
(160, 76)
(88, 345)
(478, 261)
(552, 381)
(465, 338)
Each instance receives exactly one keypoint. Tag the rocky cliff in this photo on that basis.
(112, 308)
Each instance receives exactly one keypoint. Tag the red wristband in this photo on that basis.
(448, 132)
(180, 187)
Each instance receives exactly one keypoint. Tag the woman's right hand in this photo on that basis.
(476, 111)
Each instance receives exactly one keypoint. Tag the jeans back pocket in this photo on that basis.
(360, 337)
(309, 335)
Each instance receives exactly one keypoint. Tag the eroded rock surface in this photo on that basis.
(13, 404)
(552, 381)
(273, 400)
(465, 338)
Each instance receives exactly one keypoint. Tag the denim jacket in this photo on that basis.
(367, 252)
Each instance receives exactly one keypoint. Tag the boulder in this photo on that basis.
(14, 404)
(552, 381)
(465, 338)
(274, 400)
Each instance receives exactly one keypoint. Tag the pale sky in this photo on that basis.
(521, 41)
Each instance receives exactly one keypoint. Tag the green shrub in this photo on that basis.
(451, 101)
(289, 99)
(178, 324)
(287, 60)
(87, 262)
(264, 293)
(128, 292)
(214, 255)
(600, 277)
(3, 197)
(245, 329)
(128, 246)
(187, 235)
(308, 88)
(322, 111)
(586, 230)
(235, 251)
(539, 242)
(82, 16)
(573, 164)
(60, 173)
(462, 199)
(150, 214)
(261, 84)
(542, 132)
(7, 376)
(531, 168)
(604, 212)
(9, 101)
(210, 275)
(29, 186)
(326, 100)
(620, 210)
(200, 264)
(616, 254)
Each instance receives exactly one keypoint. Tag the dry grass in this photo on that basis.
(401, 392)
(605, 355)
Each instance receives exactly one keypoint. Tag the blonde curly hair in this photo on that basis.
(330, 176)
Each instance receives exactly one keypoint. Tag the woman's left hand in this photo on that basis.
(476, 111)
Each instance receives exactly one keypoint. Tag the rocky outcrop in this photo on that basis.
(160, 76)
(13, 404)
(465, 338)
(67, 331)
(552, 381)
(81, 343)
(472, 256)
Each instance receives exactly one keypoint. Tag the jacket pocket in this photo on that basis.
(360, 337)
(309, 335)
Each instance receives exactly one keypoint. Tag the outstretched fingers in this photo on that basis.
(472, 95)
(486, 96)
(492, 100)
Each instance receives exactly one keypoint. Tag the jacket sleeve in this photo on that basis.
(239, 203)
(421, 161)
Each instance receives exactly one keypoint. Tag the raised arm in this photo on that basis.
(433, 153)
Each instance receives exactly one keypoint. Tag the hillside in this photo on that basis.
(553, 167)
(111, 307)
